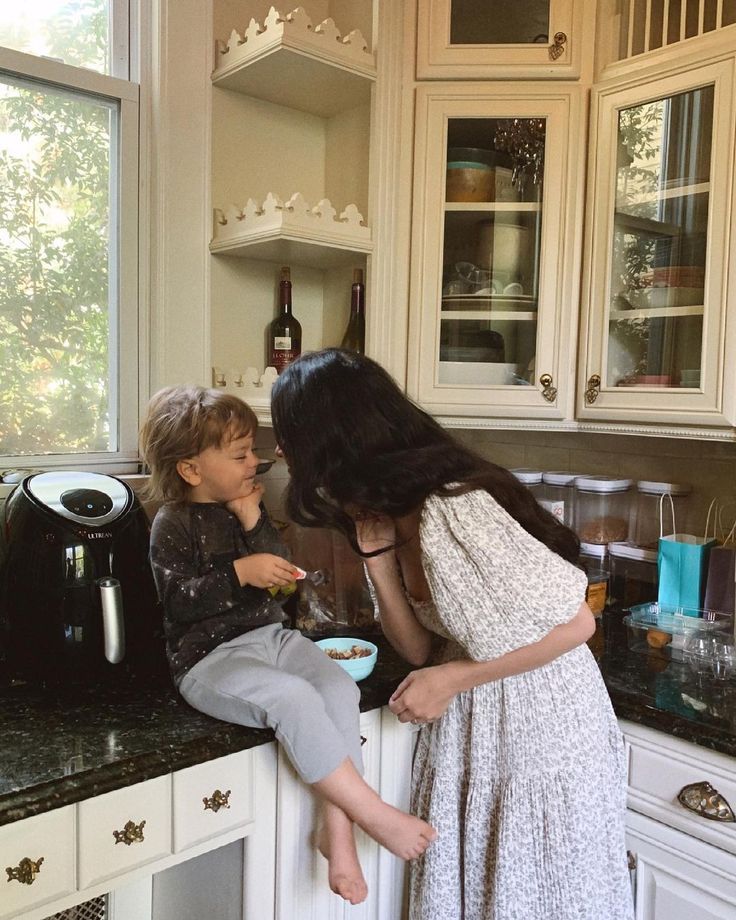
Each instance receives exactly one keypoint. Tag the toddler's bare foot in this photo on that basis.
(406, 836)
(343, 869)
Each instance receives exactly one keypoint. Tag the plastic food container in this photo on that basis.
(711, 654)
(594, 559)
(558, 495)
(602, 506)
(667, 632)
(532, 479)
(645, 511)
(634, 577)
(470, 174)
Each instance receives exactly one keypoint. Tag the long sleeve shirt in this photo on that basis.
(193, 547)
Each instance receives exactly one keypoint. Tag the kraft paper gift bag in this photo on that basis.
(682, 563)
(720, 584)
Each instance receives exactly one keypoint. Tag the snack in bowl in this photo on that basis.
(356, 656)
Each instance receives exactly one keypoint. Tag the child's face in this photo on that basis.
(226, 471)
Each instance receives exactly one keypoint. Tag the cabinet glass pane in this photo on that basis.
(657, 288)
(492, 226)
(493, 22)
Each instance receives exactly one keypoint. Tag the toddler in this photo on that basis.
(214, 555)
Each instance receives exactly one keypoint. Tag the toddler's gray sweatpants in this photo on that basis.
(276, 678)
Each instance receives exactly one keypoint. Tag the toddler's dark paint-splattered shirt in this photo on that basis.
(193, 546)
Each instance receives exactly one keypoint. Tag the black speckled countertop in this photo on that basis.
(58, 747)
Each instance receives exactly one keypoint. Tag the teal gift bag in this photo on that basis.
(682, 564)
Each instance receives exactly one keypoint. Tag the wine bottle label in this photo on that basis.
(282, 343)
(282, 358)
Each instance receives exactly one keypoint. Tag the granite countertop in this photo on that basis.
(65, 746)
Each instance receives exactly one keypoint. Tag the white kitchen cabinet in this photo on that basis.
(470, 39)
(302, 889)
(683, 855)
(657, 326)
(493, 285)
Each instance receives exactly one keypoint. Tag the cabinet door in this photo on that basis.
(660, 199)
(678, 878)
(493, 296)
(477, 39)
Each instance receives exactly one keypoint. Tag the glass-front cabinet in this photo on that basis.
(493, 39)
(657, 294)
(492, 296)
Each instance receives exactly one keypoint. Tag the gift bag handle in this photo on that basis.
(661, 513)
(730, 537)
(712, 509)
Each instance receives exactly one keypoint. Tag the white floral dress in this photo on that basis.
(524, 777)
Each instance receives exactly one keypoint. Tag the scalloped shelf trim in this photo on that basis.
(294, 30)
(294, 218)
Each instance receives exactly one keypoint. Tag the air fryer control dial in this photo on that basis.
(86, 502)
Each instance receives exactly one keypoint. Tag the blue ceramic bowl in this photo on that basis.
(357, 668)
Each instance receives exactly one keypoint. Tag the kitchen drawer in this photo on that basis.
(660, 766)
(48, 837)
(124, 829)
(211, 798)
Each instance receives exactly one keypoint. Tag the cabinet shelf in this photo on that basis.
(490, 315)
(291, 232)
(486, 206)
(658, 312)
(666, 194)
(288, 62)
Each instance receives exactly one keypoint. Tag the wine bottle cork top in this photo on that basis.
(357, 276)
(285, 273)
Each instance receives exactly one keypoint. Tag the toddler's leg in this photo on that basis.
(336, 842)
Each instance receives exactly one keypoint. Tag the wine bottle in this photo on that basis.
(354, 338)
(285, 332)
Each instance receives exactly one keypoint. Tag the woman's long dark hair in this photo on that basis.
(354, 441)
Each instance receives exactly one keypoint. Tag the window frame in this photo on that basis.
(127, 152)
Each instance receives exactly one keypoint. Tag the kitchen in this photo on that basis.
(208, 144)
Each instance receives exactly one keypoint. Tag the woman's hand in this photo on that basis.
(264, 570)
(374, 531)
(423, 696)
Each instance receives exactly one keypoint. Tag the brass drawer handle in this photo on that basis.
(26, 871)
(706, 801)
(131, 833)
(557, 47)
(593, 390)
(548, 391)
(217, 800)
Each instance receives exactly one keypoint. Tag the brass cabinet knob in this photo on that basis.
(557, 48)
(217, 800)
(131, 833)
(593, 389)
(26, 870)
(705, 801)
(548, 391)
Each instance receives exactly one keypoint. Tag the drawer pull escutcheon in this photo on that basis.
(131, 833)
(217, 800)
(548, 391)
(26, 871)
(593, 389)
(558, 47)
(706, 801)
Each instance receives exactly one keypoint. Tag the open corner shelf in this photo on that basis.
(289, 62)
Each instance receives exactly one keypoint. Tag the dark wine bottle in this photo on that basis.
(285, 332)
(354, 338)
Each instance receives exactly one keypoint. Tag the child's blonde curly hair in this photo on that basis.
(180, 423)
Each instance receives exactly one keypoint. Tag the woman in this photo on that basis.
(519, 764)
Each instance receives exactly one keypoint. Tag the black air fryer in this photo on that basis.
(77, 601)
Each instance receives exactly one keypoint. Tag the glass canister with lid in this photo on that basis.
(602, 508)
(532, 479)
(558, 495)
(594, 559)
(633, 575)
(645, 511)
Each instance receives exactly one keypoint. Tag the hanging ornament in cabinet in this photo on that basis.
(557, 48)
(523, 139)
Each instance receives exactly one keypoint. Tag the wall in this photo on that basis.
(710, 467)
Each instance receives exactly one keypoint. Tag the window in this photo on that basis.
(69, 145)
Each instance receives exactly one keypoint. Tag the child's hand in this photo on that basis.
(247, 507)
(264, 570)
